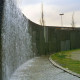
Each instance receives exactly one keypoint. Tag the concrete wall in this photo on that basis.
(15, 39)
(57, 38)
(1, 15)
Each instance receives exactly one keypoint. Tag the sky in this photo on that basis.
(52, 8)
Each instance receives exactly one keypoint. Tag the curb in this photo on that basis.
(64, 69)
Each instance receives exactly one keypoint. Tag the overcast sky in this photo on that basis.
(52, 9)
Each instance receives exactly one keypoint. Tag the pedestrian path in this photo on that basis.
(76, 55)
(40, 68)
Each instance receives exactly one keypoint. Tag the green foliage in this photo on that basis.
(64, 59)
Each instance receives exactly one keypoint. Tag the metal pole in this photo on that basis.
(61, 19)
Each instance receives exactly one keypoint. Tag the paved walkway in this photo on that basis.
(76, 55)
(40, 68)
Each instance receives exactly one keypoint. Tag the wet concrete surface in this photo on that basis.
(40, 68)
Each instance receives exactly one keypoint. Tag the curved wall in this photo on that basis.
(16, 40)
(51, 39)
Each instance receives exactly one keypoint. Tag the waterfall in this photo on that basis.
(16, 40)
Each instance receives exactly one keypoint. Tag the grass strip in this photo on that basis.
(64, 59)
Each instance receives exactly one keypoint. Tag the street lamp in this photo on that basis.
(61, 19)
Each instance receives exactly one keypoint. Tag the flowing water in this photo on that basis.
(16, 40)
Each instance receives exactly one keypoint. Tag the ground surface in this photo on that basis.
(68, 59)
(41, 69)
(76, 55)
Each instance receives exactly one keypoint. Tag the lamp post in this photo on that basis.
(61, 19)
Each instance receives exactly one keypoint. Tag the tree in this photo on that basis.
(73, 22)
(42, 22)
